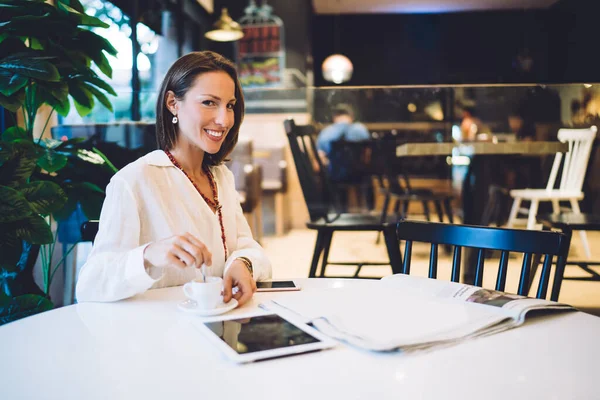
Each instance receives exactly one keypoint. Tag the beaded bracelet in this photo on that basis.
(247, 263)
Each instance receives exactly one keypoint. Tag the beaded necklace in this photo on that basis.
(214, 203)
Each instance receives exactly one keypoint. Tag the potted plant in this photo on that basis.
(46, 57)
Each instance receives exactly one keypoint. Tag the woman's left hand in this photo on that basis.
(238, 275)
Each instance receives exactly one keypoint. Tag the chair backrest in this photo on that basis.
(349, 161)
(314, 181)
(481, 239)
(575, 160)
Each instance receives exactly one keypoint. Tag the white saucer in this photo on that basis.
(190, 306)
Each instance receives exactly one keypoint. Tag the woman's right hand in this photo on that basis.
(179, 251)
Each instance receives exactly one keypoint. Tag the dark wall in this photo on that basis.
(482, 47)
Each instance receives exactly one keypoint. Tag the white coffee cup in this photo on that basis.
(206, 294)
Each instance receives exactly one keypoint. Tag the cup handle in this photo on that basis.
(187, 289)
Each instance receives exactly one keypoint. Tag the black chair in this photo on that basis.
(89, 229)
(350, 172)
(325, 216)
(482, 238)
(567, 223)
(395, 186)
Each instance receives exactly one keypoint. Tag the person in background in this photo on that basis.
(470, 125)
(343, 127)
(344, 162)
(176, 208)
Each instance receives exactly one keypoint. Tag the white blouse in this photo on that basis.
(149, 200)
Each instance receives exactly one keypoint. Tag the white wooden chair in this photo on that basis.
(573, 172)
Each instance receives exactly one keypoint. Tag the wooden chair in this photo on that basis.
(573, 173)
(325, 216)
(482, 239)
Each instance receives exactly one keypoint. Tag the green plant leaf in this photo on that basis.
(13, 205)
(94, 80)
(10, 248)
(101, 97)
(10, 83)
(6, 152)
(75, 4)
(20, 164)
(35, 44)
(97, 42)
(81, 18)
(24, 306)
(81, 94)
(14, 133)
(33, 67)
(67, 209)
(103, 64)
(50, 143)
(46, 97)
(44, 197)
(92, 205)
(90, 187)
(82, 110)
(14, 102)
(52, 161)
(34, 230)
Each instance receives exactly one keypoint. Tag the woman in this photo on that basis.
(176, 208)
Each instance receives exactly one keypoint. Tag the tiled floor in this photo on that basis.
(291, 256)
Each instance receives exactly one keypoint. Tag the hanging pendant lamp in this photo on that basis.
(337, 68)
(225, 29)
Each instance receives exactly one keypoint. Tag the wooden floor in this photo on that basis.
(291, 256)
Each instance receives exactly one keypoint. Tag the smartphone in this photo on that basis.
(276, 286)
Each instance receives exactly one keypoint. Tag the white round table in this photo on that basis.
(144, 348)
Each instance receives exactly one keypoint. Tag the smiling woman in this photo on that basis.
(176, 209)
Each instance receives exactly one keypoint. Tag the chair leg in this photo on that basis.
(404, 209)
(393, 248)
(397, 204)
(439, 210)
(582, 234)
(555, 206)
(327, 236)
(514, 211)
(448, 207)
(316, 255)
(532, 214)
(560, 268)
(386, 203)
(426, 211)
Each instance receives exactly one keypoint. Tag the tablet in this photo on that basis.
(263, 337)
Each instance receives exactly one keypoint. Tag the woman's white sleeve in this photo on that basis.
(115, 267)
(246, 245)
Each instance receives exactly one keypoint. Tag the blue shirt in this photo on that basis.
(355, 132)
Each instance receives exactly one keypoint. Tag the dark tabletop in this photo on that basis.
(587, 222)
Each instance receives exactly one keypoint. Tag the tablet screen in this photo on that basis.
(266, 332)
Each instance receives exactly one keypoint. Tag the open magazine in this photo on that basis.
(407, 313)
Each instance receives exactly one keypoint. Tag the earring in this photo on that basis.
(175, 119)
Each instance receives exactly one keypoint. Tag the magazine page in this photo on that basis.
(382, 318)
(515, 305)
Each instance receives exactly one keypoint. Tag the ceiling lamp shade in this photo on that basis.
(337, 68)
(225, 29)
